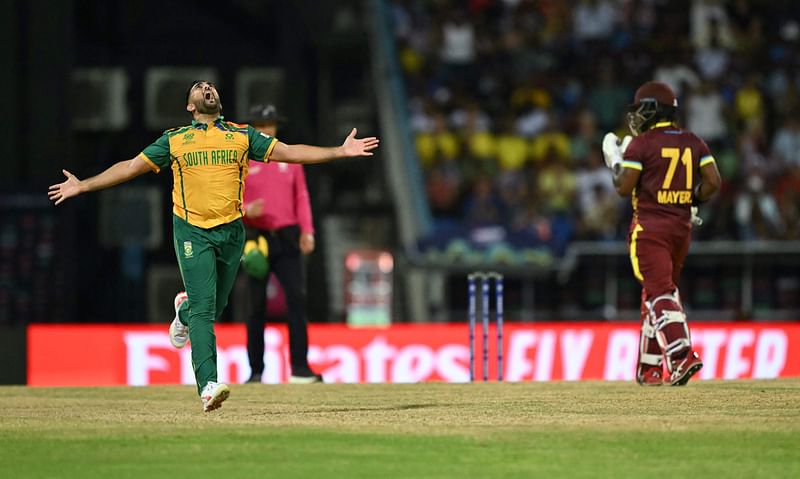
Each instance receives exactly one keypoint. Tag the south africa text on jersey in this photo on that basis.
(213, 157)
(669, 197)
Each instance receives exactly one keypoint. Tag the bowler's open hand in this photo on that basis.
(67, 189)
(353, 146)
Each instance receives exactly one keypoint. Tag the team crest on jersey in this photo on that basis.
(188, 138)
(229, 136)
(187, 249)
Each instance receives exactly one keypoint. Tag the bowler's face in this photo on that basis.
(205, 98)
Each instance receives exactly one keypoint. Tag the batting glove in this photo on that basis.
(696, 220)
(625, 142)
(611, 150)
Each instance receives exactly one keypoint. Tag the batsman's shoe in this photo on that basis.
(650, 376)
(305, 377)
(213, 395)
(684, 369)
(178, 332)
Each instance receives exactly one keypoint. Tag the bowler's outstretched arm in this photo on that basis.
(307, 154)
(115, 174)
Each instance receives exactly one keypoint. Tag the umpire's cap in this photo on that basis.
(260, 114)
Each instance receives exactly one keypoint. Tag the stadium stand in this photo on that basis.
(509, 100)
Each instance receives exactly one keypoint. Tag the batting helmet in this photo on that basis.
(652, 102)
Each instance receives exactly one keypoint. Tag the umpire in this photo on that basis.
(277, 208)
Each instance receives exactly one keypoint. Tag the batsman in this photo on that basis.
(667, 171)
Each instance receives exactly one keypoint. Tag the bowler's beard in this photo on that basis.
(208, 107)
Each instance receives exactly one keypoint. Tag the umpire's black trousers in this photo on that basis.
(286, 263)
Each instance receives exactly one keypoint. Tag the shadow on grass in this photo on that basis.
(400, 407)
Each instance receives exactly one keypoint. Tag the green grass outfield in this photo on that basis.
(590, 429)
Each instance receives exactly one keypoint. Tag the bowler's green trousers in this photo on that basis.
(209, 260)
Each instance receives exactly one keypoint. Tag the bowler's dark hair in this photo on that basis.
(189, 91)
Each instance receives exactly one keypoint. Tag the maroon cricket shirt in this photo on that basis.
(669, 159)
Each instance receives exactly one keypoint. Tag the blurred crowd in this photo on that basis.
(509, 100)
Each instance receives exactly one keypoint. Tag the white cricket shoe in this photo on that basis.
(178, 333)
(306, 379)
(213, 395)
